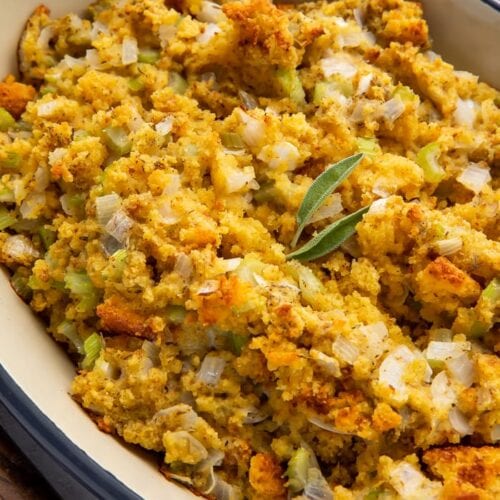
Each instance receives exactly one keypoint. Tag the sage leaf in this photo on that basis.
(322, 186)
(330, 238)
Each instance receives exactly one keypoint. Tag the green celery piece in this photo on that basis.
(135, 84)
(149, 56)
(298, 467)
(80, 285)
(6, 219)
(177, 83)
(291, 85)
(7, 121)
(11, 161)
(19, 282)
(321, 188)
(427, 159)
(117, 140)
(368, 146)
(48, 236)
(92, 346)
(68, 329)
(176, 314)
(236, 342)
(231, 140)
(330, 238)
(492, 291)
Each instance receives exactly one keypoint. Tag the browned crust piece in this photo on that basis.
(14, 96)
(266, 476)
(468, 473)
(118, 319)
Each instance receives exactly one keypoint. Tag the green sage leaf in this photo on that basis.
(330, 238)
(322, 186)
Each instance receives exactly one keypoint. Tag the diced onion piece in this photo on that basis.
(44, 38)
(327, 363)
(392, 109)
(110, 245)
(407, 480)
(253, 131)
(92, 58)
(281, 155)
(432, 56)
(392, 369)
(358, 16)
(329, 209)
(254, 415)
(106, 206)
(495, 433)
(465, 112)
(427, 159)
(42, 178)
(119, 226)
(211, 29)
(117, 140)
(208, 287)
(474, 177)
(345, 350)
(173, 184)
(248, 100)
(20, 249)
(97, 28)
(446, 350)
(32, 205)
(57, 156)
(309, 284)
(211, 370)
(229, 265)
(182, 414)
(130, 51)
(210, 12)
(373, 339)
(317, 487)
(184, 447)
(448, 246)
(325, 426)
(364, 83)
(47, 109)
(165, 126)
(378, 206)
(167, 213)
(167, 32)
(459, 423)
(443, 395)
(237, 179)
(183, 266)
(461, 369)
(260, 281)
(338, 65)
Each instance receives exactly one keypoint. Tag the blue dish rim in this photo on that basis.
(71, 464)
(494, 4)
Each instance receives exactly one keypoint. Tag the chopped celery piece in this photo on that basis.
(149, 56)
(11, 161)
(6, 194)
(74, 204)
(290, 84)
(135, 84)
(177, 83)
(232, 140)
(373, 494)
(48, 89)
(79, 284)
(332, 89)
(117, 140)
(297, 470)
(19, 282)
(6, 120)
(427, 159)
(492, 291)
(78, 135)
(6, 219)
(436, 364)
(24, 126)
(405, 93)
(34, 283)
(68, 329)
(236, 342)
(92, 346)
(266, 193)
(368, 146)
(176, 314)
(477, 329)
(47, 236)
(119, 259)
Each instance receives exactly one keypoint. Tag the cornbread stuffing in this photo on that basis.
(155, 159)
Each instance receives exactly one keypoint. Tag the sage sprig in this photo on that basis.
(330, 238)
(323, 186)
